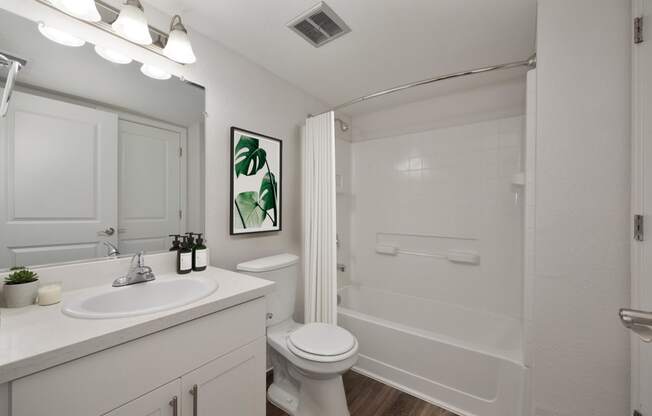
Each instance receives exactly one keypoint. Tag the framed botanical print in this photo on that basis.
(256, 178)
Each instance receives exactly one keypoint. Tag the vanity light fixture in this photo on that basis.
(81, 9)
(59, 36)
(178, 47)
(154, 72)
(132, 23)
(112, 56)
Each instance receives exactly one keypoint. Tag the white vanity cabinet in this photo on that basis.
(224, 386)
(227, 386)
(213, 365)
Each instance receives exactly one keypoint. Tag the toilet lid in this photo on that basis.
(322, 339)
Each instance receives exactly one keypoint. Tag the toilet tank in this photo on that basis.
(282, 269)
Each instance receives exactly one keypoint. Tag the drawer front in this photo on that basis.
(100, 382)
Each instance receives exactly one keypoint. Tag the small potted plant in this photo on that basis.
(21, 287)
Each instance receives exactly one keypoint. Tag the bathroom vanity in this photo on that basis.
(204, 358)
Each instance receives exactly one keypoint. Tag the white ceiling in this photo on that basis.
(392, 41)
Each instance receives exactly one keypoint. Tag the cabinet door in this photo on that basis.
(230, 385)
(163, 401)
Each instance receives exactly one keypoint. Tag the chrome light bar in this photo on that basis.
(109, 15)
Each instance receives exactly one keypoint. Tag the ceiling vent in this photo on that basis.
(319, 25)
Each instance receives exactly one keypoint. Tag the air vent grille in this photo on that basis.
(311, 32)
(319, 25)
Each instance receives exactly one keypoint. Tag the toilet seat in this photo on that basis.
(322, 342)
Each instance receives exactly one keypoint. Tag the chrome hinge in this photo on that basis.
(639, 230)
(181, 152)
(638, 30)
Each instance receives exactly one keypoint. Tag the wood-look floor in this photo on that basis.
(368, 397)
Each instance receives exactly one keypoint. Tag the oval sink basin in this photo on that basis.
(139, 299)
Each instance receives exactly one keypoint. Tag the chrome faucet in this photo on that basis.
(138, 272)
(112, 249)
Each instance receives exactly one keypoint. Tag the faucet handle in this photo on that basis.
(138, 260)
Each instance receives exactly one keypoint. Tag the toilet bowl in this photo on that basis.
(308, 360)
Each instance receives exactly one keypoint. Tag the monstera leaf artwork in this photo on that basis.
(255, 182)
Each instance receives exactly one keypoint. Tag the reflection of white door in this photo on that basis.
(58, 181)
(150, 185)
(642, 204)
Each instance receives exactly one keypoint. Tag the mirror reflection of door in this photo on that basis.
(150, 185)
(641, 364)
(59, 165)
(79, 179)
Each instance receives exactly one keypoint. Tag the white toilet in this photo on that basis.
(308, 360)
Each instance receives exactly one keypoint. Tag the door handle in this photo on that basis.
(175, 406)
(108, 232)
(195, 396)
(638, 321)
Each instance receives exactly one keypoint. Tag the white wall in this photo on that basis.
(580, 351)
(238, 93)
(435, 190)
(489, 102)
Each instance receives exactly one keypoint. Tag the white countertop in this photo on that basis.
(35, 338)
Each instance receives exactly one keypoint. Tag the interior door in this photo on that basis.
(150, 186)
(231, 385)
(642, 205)
(59, 181)
(164, 401)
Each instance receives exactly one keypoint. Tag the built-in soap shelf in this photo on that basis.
(459, 256)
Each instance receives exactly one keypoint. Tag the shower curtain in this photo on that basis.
(319, 245)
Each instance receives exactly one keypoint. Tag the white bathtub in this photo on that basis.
(467, 361)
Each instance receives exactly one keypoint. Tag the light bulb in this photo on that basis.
(59, 36)
(82, 9)
(154, 72)
(132, 23)
(113, 56)
(178, 47)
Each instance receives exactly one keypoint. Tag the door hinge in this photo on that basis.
(181, 152)
(180, 214)
(639, 230)
(638, 30)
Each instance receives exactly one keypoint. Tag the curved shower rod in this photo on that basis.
(531, 62)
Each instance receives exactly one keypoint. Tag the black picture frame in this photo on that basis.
(233, 177)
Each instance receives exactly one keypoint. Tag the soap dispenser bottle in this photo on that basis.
(191, 240)
(176, 244)
(199, 255)
(184, 257)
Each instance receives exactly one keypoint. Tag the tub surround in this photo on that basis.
(35, 338)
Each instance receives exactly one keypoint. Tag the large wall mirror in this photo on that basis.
(94, 156)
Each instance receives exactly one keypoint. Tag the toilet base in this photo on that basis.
(323, 397)
(299, 394)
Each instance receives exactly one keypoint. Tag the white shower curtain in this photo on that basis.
(319, 245)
